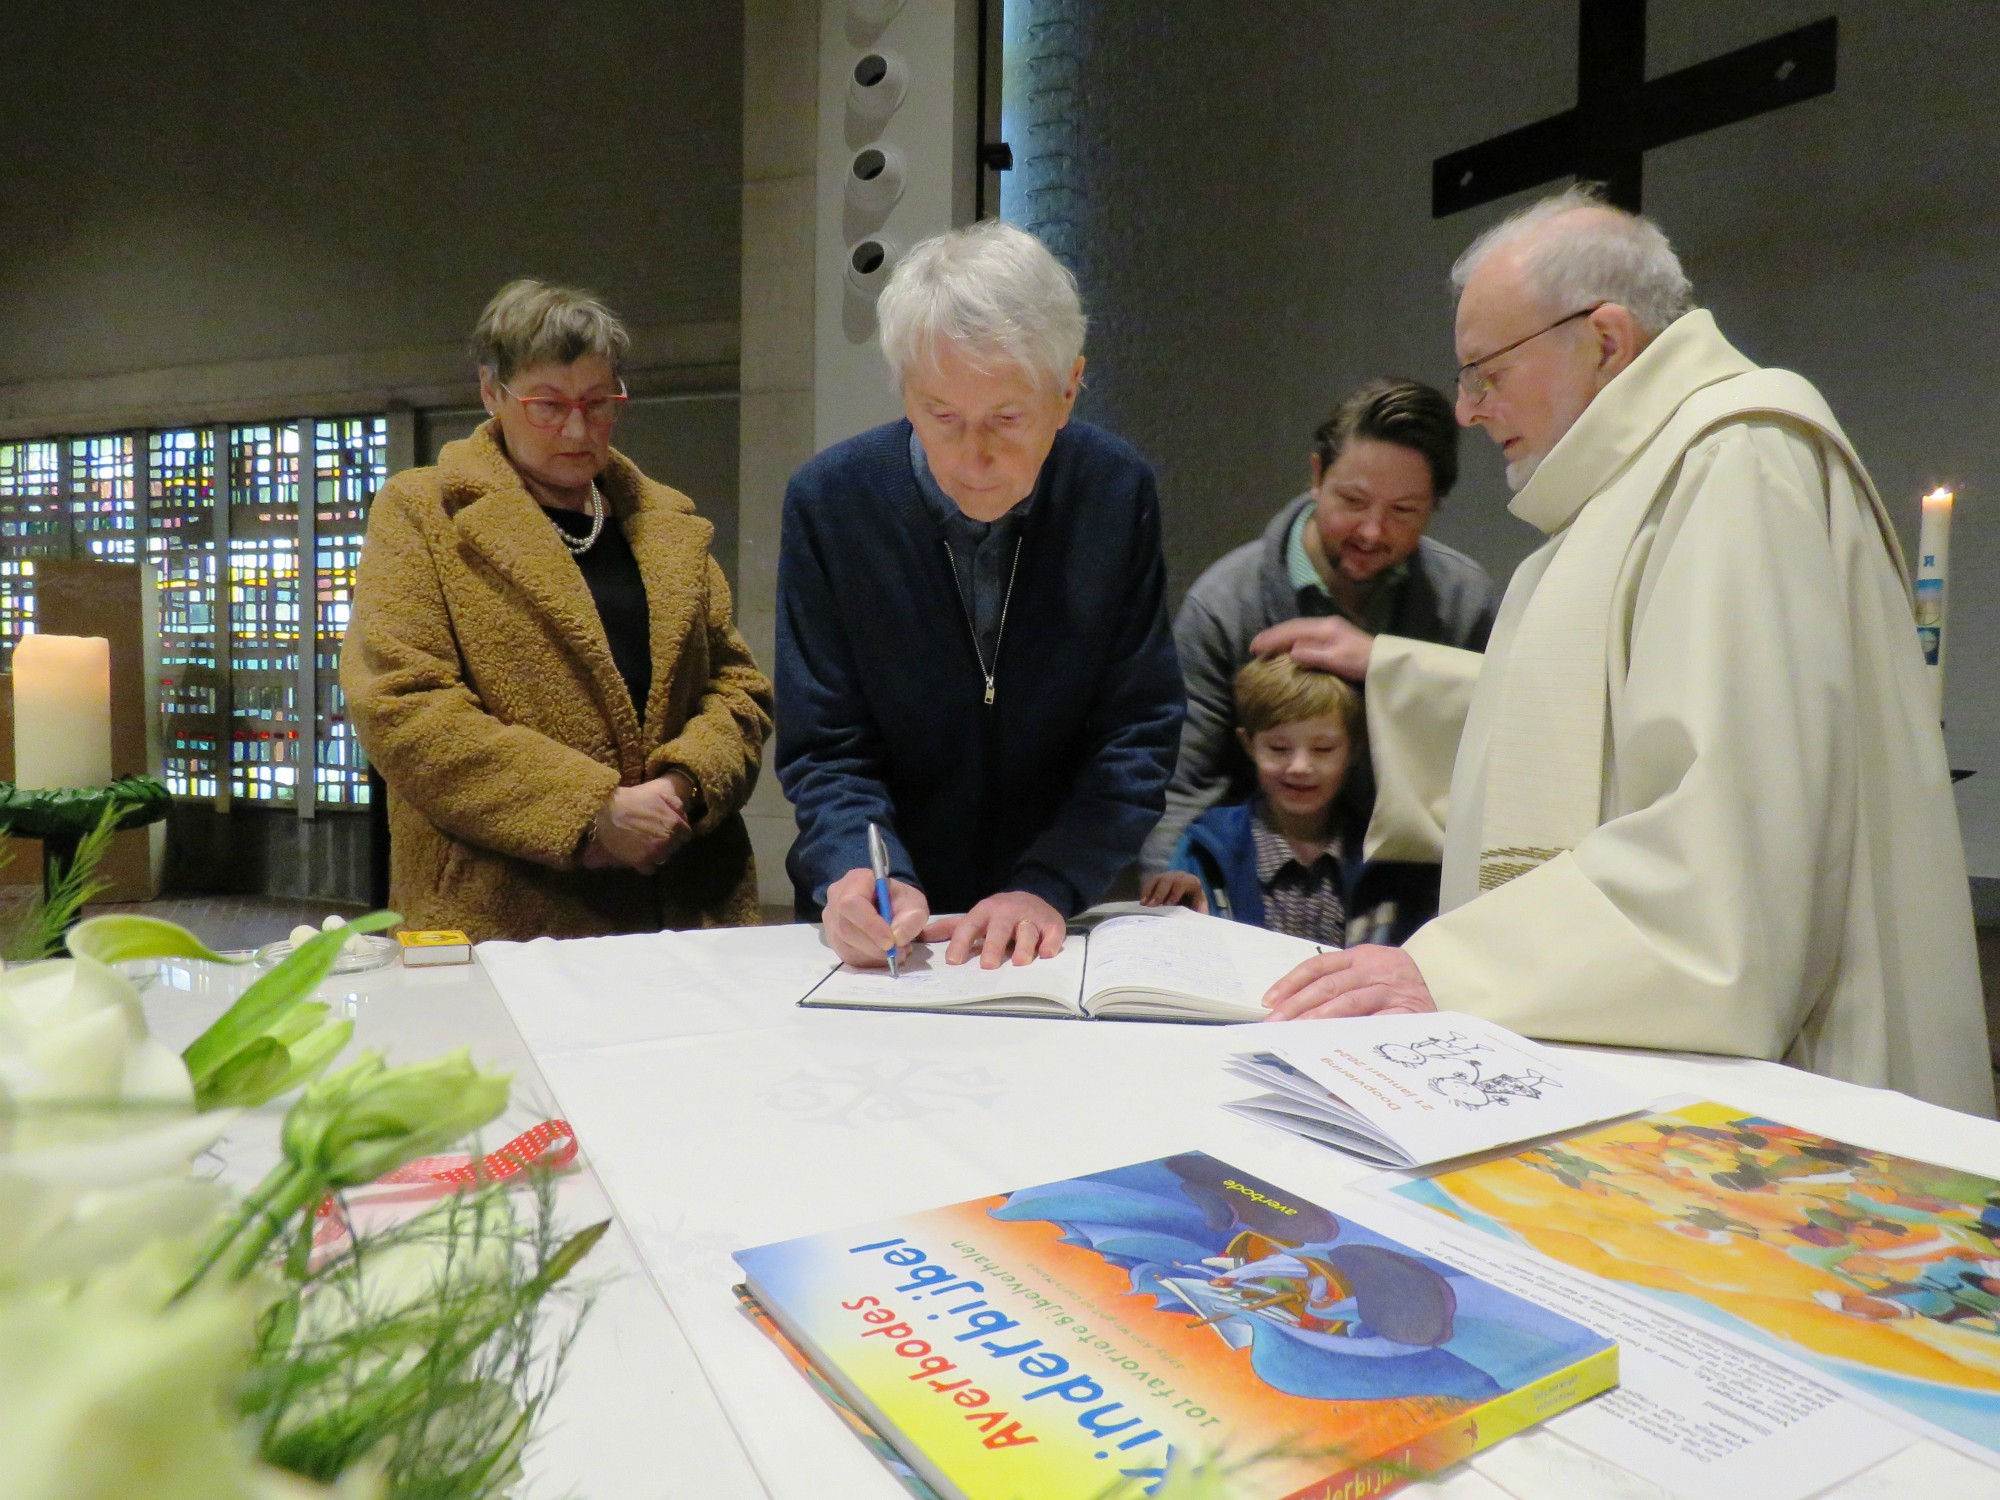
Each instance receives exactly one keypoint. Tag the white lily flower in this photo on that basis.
(105, 1394)
(97, 1135)
(73, 1029)
(75, 1207)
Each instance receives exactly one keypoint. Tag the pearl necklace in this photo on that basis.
(578, 545)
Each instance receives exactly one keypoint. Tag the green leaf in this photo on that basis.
(312, 1053)
(368, 1118)
(261, 1006)
(116, 939)
(249, 1077)
(572, 1250)
(73, 884)
(299, 1022)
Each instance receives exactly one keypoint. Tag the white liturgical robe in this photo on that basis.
(1694, 795)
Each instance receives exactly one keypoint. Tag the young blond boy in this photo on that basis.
(1288, 858)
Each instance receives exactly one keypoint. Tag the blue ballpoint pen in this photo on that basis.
(878, 860)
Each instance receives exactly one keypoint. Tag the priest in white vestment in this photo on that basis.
(1694, 795)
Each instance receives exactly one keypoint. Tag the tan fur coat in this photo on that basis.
(481, 684)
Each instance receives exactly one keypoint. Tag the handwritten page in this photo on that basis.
(1147, 953)
(1172, 964)
(1225, 965)
(928, 982)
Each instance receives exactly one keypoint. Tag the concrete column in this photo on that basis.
(811, 373)
(780, 150)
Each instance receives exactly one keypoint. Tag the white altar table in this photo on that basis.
(715, 1114)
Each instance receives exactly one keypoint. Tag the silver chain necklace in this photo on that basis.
(578, 545)
(1005, 599)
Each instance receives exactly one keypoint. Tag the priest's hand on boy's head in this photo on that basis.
(1325, 643)
(1366, 981)
(1007, 923)
(853, 925)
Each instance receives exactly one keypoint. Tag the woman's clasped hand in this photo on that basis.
(640, 827)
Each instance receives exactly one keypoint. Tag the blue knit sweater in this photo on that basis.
(881, 713)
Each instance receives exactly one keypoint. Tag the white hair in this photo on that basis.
(991, 290)
(1603, 254)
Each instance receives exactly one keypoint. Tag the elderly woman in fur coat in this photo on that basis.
(543, 666)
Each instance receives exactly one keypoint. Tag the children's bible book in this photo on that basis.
(1055, 1341)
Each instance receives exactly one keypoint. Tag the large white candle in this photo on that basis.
(62, 711)
(1933, 557)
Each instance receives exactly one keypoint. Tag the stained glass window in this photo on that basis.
(180, 543)
(264, 614)
(104, 515)
(350, 461)
(244, 631)
(31, 526)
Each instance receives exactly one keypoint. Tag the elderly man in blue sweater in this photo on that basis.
(973, 651)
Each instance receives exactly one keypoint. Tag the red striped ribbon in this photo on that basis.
(550, 1145)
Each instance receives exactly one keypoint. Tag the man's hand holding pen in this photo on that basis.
(1008, 926)
(854, 926)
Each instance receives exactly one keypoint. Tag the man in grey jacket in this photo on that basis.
(1352, 545)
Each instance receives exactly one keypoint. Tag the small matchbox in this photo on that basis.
(420, 948)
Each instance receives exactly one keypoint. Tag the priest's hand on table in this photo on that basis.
(1007, 922)
(1368, 980)
(1327, 644)
(640, 826)
(853, 923)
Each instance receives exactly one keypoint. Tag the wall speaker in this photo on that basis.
(876, 86)
(875, 178)
(869, 262)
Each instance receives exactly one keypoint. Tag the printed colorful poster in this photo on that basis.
(1878, 1270)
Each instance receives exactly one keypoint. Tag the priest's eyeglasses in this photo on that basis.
(553, 411)
(1473, 382)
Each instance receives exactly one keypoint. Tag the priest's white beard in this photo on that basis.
(1522, 469)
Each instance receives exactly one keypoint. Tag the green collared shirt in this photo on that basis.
(1313, 596)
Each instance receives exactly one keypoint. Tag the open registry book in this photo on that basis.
(1410, 1090)
(1153, 965)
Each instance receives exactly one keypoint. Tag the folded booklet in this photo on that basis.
(1406, 1091)
(1169, 965)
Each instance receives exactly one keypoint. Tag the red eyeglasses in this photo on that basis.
(553, 411)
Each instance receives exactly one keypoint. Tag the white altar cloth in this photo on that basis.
(718, 1115)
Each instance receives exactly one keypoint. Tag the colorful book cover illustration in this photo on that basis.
(1054, 1341)
(884, 1451)
(1877, 1270)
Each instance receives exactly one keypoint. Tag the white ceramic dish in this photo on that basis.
(363, 951)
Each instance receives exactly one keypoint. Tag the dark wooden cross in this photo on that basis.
(1620, 115)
